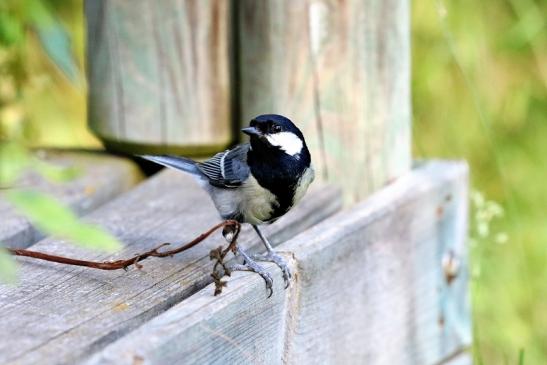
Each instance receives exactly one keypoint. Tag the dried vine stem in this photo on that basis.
(219, 255)
(229, 226)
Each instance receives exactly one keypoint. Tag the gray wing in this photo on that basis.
(227, 169)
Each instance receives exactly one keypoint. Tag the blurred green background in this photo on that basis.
(479, 93)
(42, 83)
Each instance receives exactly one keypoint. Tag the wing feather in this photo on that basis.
(227, 169)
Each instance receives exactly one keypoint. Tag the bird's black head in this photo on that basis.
(276, 133)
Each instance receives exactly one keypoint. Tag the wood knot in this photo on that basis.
(451, 266)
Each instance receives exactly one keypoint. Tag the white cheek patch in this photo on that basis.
(287, 141)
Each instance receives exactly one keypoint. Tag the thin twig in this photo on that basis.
(229, 226)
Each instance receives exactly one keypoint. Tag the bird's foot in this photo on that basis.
(250, 265)
(274, 257)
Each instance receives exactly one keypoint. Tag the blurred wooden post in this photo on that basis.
(340, 70)
(158, 74)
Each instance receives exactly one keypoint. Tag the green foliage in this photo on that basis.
(46, 213)
(7, 267)
(22, 23)
(19, 17)
(11, 30)
(53, 36)
(55, 219)
(42, 93)
(13, 160)
(479, 92)
(483, 213)
(55, 173)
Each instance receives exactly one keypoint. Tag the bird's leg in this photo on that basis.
(272, 256)
(250, 265)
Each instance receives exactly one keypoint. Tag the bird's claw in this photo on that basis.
(271, 256)
(251, 265)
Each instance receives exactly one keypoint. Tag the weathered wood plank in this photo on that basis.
(101, 178)
(241, 327)
(341, 71)
(64, 313)
(369, 290)
(159, 74)
(372, 287)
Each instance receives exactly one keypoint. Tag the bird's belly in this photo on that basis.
(250, 203)
(258, 203)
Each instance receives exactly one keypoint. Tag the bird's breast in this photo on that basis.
(258, 204)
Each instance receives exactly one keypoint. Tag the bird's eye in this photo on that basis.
(277, 128)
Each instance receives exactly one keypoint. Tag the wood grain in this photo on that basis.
(242, 327)
(374, 284)
(158, 74)
(101, 178)
(369, 289)
(65, 313)
(341, 71)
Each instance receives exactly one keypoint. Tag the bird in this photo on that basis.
(255, 182)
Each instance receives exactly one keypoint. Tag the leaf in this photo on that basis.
(13, 159)
(53, 218)
(54, 38)
(92, 236)
(8, 272)
(11, 30)
(56, 173)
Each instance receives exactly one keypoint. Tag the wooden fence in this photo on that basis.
(381, 279)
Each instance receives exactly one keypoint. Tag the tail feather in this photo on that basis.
(174, 162)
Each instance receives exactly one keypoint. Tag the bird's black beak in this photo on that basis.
(251, 131)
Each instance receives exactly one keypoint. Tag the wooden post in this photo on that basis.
(340, 70)
(158, 74)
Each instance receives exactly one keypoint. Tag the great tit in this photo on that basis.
(255, 182)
